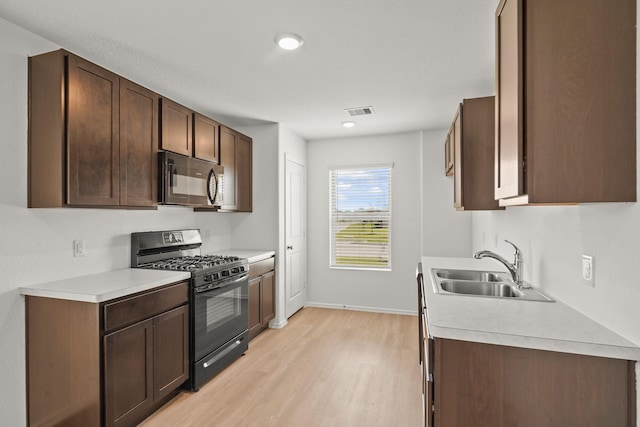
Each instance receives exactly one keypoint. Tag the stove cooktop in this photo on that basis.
(193, 263)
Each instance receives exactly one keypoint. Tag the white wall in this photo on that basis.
(446, 232)
(378, 290)
(553, 239)
(264, 227)
(36, 244)
(259, 229)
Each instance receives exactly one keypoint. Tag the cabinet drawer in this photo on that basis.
(136, 308)
(259, 268)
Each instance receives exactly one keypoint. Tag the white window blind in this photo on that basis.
(360, 216)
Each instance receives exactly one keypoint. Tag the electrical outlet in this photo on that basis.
(588, 270)
(78, 248)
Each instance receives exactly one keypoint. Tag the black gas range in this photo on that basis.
(218, 296)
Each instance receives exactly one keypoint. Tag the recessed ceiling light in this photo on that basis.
(348, 124)
(289, 41)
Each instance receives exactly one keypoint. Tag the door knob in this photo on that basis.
(289, 247)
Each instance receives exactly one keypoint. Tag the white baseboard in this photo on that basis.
(278, 325)
(361, 308)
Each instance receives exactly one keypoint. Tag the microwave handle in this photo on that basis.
(170, 172)
(212, 179)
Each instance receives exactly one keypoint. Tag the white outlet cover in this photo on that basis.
(78, 248)
(588, 270)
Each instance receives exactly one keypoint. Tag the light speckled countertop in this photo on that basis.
(529, 324)
(105, 286)
(109, 285)
(251, 254)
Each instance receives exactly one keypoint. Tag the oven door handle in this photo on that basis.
(223, 353)
(224, 284)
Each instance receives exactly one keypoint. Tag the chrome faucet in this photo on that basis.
(515, 269)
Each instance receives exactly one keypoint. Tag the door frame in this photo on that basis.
(289, 158)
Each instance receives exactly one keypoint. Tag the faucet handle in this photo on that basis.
(517, 254)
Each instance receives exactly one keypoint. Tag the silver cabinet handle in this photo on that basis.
(289, 247)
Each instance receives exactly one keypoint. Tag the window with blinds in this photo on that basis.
(360, 217)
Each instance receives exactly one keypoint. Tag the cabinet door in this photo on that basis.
(176, 128)
(128, 374)
(138, 145)
(580, 100)
(474, 144)
(448, 156)
(205, 138)
(509, 180)
(508, 386)
(92, 135)
(255, 316)
(244, 165)
(268, 298)
(236, 153)
(170, 351)
(452, 155)
(457, 159)
(228, 139)
(427, 371)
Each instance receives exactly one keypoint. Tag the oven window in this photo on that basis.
(222, 308)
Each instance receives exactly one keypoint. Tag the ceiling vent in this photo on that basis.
(359, 111)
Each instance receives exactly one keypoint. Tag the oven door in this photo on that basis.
(219, 314)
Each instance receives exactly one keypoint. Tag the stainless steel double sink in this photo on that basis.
(492, 284)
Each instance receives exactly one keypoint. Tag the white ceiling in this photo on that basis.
(412, 60)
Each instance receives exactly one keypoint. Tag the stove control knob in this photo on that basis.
(225, 273)
(215, 276)
(208, 278)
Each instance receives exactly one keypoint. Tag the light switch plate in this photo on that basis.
(588, 270)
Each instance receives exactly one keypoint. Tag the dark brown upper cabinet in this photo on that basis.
(176, 123)
(236, 153)
(474, 150)
(93, 143)
(138, 145)
(448, 152)
(87, 129)
(206, 144)
(565, 101)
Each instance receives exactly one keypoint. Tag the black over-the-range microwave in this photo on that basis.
(189, 181)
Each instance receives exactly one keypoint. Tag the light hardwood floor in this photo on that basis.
(325, 368)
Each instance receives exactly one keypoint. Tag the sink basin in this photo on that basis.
(476, 283)
(476, 276)
(487, 289)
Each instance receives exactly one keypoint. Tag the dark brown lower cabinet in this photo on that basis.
(107, 364)
(144, 363)
(262, 308)
(491, 385)
(128, 363)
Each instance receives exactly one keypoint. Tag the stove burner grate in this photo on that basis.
(191, 263)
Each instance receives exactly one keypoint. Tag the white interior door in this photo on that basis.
(295, 239)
